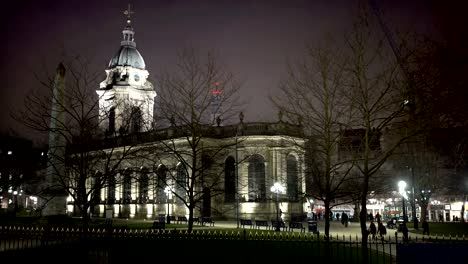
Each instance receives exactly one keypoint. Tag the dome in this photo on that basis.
(127, 56)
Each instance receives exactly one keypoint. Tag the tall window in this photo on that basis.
(127, 187)
(257, 186)
(292, 178)
(143, 186)
(111, 189)
(112, 120)
(136, 119)
(96, 185)
(181, 181)
(230, 180)
(162, 183)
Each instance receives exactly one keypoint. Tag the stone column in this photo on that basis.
(55, 202)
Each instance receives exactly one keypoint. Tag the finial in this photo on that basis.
(129, 14)
(299, 120)
(241, 117)
(172, 120)
(61, 69)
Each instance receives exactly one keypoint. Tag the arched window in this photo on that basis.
(112, 120)
(162, 183)
(143, 186)
(181, 182)
(292, 178)
(111, 189)
(96, 185)
(257, 186)
(230, 180)
(127, 187)
(136, 119)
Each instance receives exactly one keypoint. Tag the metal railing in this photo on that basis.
(105, 241)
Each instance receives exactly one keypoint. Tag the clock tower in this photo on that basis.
(126, 97)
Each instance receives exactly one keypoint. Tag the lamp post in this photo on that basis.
(413, 200)
(237, 181)
(167, 191)
(401, 188)
(277, 188)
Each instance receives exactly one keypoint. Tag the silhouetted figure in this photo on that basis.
(404, 230)
(382, 230)
(425, 226)
(377, 217)
(344, 219)
(373, 230)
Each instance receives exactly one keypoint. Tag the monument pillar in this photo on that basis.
(55, 195)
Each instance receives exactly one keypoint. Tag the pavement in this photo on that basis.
(337, 230)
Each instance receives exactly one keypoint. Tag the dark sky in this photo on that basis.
(254, 38)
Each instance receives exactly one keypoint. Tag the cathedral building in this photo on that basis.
(237, 182)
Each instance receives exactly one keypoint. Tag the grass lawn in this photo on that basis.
(444, 229)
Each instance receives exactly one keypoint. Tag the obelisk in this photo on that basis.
(55, 194)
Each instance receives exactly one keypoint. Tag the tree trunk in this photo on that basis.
(363, 222)
(424, 205)
(327, 218)
(462, 213)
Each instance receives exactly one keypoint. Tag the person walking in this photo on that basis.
(404, 230)
(425, 226)
(373, 230)
(382, 230)
(378, 217)
(344, 219)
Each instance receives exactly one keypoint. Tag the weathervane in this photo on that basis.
(129, 14)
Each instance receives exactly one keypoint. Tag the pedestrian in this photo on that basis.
(382, 230)
(338, 217)
(372, 230)
(344, 219)
(425, 226)
(404, 230)
(377, 217)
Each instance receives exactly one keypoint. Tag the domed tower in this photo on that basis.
(126, 97)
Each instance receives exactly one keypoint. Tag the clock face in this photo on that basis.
(136, 77)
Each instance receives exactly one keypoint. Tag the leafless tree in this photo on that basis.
(377, 94)
(197, 97)
(84, 159)
(313, 93)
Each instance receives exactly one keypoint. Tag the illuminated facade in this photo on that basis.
(260, 153)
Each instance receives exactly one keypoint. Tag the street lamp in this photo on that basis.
(277, 188)
(239, 132)
(401, 189)
(237, 181)
(413, 200)
(167, 191)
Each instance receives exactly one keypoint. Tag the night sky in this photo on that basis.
(253, 38)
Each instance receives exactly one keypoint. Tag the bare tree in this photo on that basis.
(378, 95)
(313, 93)
(84, 159)
(193, 99)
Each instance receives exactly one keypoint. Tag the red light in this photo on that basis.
(216, 92)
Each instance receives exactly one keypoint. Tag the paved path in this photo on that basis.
(337, 230)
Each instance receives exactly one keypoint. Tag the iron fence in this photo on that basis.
(112, 245)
